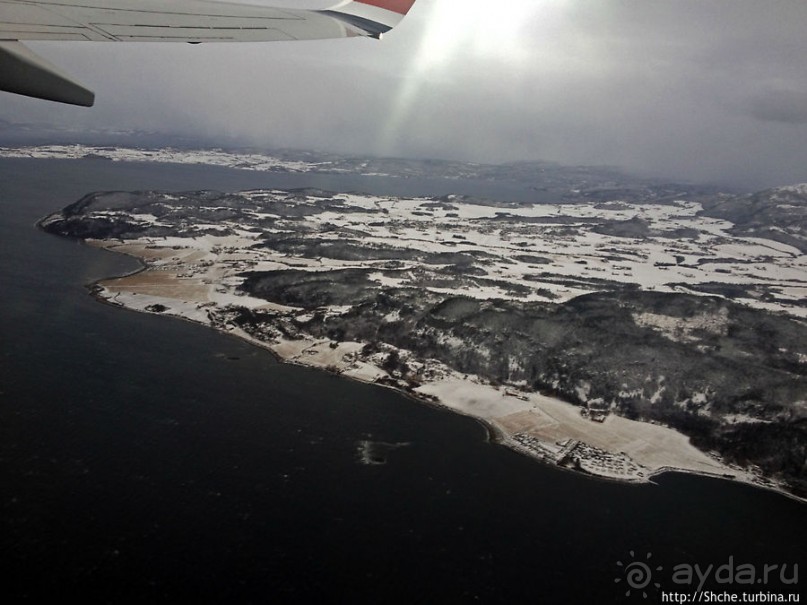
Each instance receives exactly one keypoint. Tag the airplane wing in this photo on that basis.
(193, 21)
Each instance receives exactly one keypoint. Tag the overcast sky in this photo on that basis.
(705, 90)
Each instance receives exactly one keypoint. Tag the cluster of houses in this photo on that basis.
(581, 456)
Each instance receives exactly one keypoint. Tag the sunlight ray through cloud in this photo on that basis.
(455, 34)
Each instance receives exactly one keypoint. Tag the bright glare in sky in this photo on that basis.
(451, 34)
(482, 28)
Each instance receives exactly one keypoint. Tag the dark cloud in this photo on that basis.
(789, 107)
(688, 89)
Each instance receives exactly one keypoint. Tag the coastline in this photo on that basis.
(320, 354)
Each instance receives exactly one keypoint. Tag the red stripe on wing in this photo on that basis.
(398, 6)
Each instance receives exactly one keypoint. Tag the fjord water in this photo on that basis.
(149, 459)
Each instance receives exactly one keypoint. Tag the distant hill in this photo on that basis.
(779, 214)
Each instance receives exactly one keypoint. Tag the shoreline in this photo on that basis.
(495, 433)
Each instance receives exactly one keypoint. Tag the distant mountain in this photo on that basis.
(779, 214)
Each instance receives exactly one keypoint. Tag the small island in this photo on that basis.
(616, 339)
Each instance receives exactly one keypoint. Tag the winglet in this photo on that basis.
(26, 73)
(375, 17)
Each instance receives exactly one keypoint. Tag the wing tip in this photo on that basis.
(372, 18)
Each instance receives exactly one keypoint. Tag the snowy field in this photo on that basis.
(546, 252)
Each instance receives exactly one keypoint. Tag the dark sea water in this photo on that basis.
(146, 459)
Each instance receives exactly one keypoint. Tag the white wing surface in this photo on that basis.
(193, 21)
